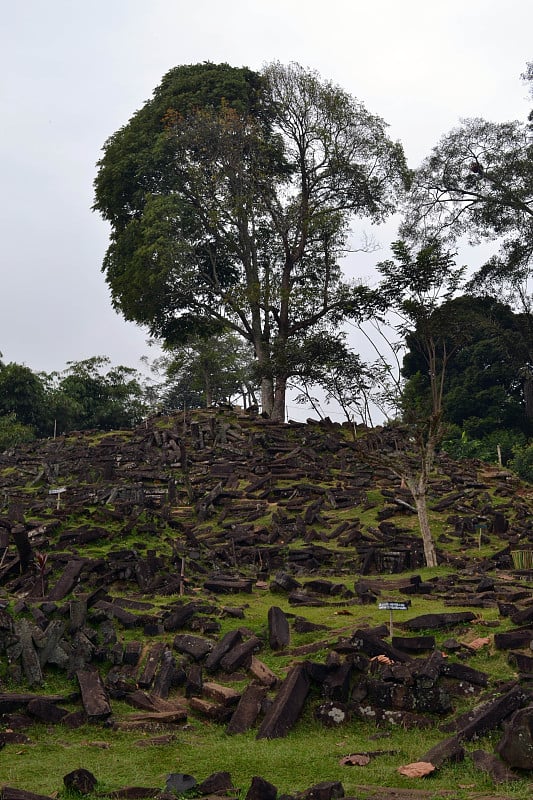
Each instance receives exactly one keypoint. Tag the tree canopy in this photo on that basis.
(204, 372)
(484, 383)
(478, 182)
(87, 394)
(230, 196)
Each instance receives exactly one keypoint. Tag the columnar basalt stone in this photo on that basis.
(193, 646)
(516, 745)
(491, 764)
(81, 781)
(261, 789)
(168, 676)
(445, 620)
(278, 629)
(77, 613)
(46, 711)
(326, 790)
(221, 648)
(68, 580)
(490, 714)
(194, 681)
(93, 695)
(218, 784)
(241, 654)
(248, 709)
(151, 664)
(22, 543)
(449, 750)
(30, 660)
(287, 706)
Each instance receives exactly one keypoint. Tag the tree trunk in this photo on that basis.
(267, 396)
(278, 411)
(208, 393)
(528, 397)
(419, 496)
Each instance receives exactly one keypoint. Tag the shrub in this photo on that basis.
(13, 432)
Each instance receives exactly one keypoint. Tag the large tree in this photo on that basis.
(230, 196)
(92, 394)
(478, 182)
(483, 387)
(22, 394)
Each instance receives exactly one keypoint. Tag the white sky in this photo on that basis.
(73, 71)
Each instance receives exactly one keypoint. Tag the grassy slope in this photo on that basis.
(310, 753)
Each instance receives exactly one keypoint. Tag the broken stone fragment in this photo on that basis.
(516, 745)
(418, 769)
(80, 780)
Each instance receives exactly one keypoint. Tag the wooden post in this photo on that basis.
(182, 577)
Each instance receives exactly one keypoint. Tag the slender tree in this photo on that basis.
(416, 284)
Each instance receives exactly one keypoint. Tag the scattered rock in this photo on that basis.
(80, 780)
(418, 769)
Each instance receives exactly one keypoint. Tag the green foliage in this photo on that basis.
(88, 394)
(478, 182)
(459, 445)
(13, 432)
(205, 371)
(87, 397)
(484, 388)
(328, 364)
(230, 195)
(522, 461)
(22, 393)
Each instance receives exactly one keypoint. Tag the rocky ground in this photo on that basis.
(120, 555)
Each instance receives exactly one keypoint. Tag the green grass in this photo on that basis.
(308, 755)
(201, 748)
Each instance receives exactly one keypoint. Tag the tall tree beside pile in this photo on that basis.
(23, 397)
(92, 394)
(230, 196)
(478, 182)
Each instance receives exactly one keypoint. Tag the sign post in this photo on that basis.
(394, 605)
(59, 491)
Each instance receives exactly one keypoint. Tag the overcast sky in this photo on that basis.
(73, 71)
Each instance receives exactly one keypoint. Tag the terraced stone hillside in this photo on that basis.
(225, 491)
(126, 560)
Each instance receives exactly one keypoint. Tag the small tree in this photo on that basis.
(13, 432)
(478, 182)
(329, 367)
(415, 285)
(206, 371)
(22, 393)
(92, 394)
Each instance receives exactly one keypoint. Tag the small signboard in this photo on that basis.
(394, 605)
(58, 491)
